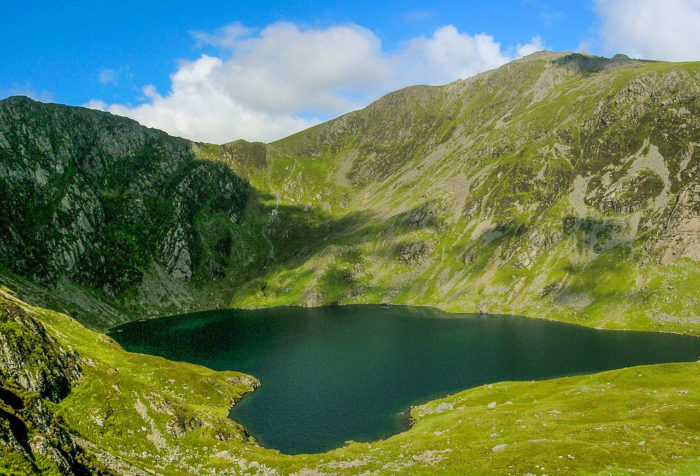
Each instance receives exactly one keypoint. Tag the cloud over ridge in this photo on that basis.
(266, 84)
(651, 29)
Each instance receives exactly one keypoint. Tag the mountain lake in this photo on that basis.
(333, 374)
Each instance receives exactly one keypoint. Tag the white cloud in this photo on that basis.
(446, 56)
(652, 29)
(534, 45)
(96, 104)
(108, 76)
(267, 84)
(286, 70)
(200, 107)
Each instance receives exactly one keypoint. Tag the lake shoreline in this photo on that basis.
(333, 374)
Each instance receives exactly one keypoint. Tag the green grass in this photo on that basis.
(12, 463)
(310, 236)
(503, 149)
(642, 419)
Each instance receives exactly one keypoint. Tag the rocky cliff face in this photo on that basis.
(527, 189)
(31, 358)
(681, 237)
(100, 200)
(73, 402)
(34, 367)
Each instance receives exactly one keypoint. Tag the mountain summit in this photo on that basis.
(561, 185)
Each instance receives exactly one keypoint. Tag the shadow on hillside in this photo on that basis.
(298, 234)
(592, 64)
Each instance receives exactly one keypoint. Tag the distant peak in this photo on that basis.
(545, 54)
(19, 100)
(587, 63)
(584, 62)
(621, 58)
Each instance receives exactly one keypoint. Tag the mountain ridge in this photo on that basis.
(430, 195)
(560, 186)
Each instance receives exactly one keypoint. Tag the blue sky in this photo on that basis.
(221, 70)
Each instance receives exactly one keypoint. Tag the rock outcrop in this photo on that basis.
(682, 235)
(34, 367)
(588, 162)
(416, 251)
(97, 198)
(31, 358)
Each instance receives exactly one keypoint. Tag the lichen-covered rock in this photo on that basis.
(313, 298)
(34, 367)
(537, 242)
(682, 235)
(96, 198)
(181, 425)
(31, 358)
(175, 251)
(415, 251)
(427, 215)
(627, 195)
(30, 429)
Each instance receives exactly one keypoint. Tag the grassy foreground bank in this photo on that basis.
(139, 414)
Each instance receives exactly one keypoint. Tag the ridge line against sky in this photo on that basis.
(220, 71)
(271, 83)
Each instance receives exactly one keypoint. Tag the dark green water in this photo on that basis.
(334, 374)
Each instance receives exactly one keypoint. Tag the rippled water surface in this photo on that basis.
(335, 374)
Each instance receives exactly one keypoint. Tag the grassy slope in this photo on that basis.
(334, 207)
(360, 180)
(482, 172)
(584, 424)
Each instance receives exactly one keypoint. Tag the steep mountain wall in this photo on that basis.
(560, 185)
(35, 368)
(100, 201)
